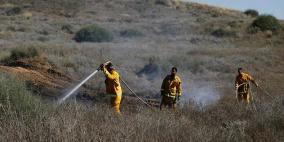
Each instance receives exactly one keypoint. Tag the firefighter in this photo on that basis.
(171, 90)
(113, 87)
(242, 86)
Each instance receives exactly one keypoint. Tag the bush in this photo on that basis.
(251, 12)
(266, 22)
(20, 53)
(93, 33)
(220, 32)
(162, 2)
(14, 11)
(130, 33)
(15, 96)
(43, 38)
(169, 3)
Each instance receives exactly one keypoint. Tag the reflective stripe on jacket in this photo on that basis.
(242, 78)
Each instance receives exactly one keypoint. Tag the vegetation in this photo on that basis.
(162, 2)
(207, 69)
(130, 33)
(14, 96)
(76, 121)
(266, 22)
(93, 33)
(67, 28)
(14, 11)
(20, 53)
(251, 12)
(66, 8)
(220, 32)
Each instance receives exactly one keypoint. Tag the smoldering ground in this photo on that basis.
(199, 93)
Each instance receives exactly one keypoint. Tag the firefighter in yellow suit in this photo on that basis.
(113, 87)
(171, 90)
(242, 86)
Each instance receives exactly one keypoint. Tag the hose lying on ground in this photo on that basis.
(144, 102)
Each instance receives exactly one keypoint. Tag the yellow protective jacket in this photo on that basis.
(243, 78)
(112, 82)
(171, 86)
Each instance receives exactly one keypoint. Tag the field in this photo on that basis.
(207, 45)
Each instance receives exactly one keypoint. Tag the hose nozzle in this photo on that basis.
(106, 63)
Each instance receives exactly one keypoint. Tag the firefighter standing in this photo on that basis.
(113, 87)
(171, 89)
(242, 86)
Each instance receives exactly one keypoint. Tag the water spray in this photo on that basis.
(79, 85)
(87, 78)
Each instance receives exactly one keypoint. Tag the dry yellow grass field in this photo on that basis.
(207, 45)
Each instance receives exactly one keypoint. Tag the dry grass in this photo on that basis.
(224, 121)
(66, 8)
(206, 64)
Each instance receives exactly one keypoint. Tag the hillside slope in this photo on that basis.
(207, 44)
(170, 34)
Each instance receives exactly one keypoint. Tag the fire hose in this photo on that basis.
(91, 75)
(144, 102)
(79, 85)
(265, 92)
(260, 88)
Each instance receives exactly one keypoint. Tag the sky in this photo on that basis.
(273, 7)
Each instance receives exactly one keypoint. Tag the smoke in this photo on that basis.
(196, 90)
(201, 93)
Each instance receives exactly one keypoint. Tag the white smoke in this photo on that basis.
(201, 93)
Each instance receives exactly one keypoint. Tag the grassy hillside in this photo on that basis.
(206, 43)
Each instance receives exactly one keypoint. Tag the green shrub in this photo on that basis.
(161, 2)
(42, 38)
(266, 22)
(14, 11)
(43, 32)
(15, 96)
(20, 53)
(220, 32)
(93, 33)
(17, 29)
(130, 33)
(251, 12)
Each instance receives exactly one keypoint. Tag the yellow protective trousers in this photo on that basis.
(168, 101)
(243, 93)
(115, 102)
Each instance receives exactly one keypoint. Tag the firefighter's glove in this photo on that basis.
(101, 67)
